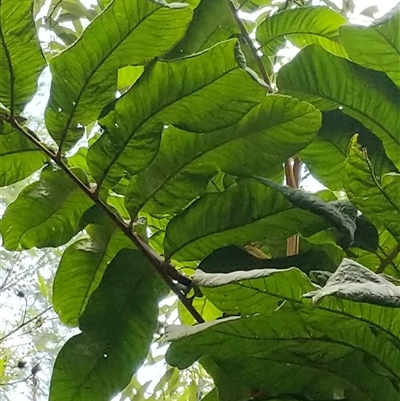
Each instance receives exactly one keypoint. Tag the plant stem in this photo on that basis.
(250, 43)
(388, 260)
(167, 272)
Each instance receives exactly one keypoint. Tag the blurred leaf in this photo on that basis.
(378, 197)
(370, 96)
(302, 26)
(85, 75)
(251, 5)
(19, 157)
(206, 309)
(128, 75)
(21, 59)
(117, 329)
(187, 161)
(82, 267)
(46, 213)
(211, 85)
(376, 46)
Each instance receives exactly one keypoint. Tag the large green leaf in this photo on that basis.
(257, 291)
(340, 214)
(333, 139)
(21, 59)
(376, 196)
(212, 23)
(262, 140)
(19, 158)
(203, 93)
(302, 26)
(248, 212)
(232, 258)
(117, 329)
(376, 46)
(82, 267)
(85, 75)
(291, 352)
(371, 97)
(46, 213)
(370, 334)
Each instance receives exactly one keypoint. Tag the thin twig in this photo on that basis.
(16, 382)
(250, 43)
(166, 271)
(388, 260)
(24, 324)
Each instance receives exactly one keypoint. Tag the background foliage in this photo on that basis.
(161, 198)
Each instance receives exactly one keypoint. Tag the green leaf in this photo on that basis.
(206, 309)
(246, 213)
(82, 267)
(370, 329)
(294, 344)
(370, 96)
(386, 257)
(253, 291)
(333, 139)
(212, 23)
(355, 282)
(232, 258)
(302, 26)
(19, 157)
(85, 75)
(46, 213)
(252, 5)
(203, 93)
(186, 161)
(376, 196)
(21, 59)
(376, 46)
(117, 329)
(340, 214)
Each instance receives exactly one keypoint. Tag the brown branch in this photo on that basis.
(293, 179)
(250, 43)
(163, 268)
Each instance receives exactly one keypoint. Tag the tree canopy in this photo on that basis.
(169, 167)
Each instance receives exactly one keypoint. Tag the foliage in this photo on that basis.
(171, 147)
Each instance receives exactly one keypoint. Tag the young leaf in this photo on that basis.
(117, 329)
(46, 213)
(21, 59)
(82, 267)
(85, 75)
(19, 157)
(302, 26)
(376, 196)
(366, 95)
(203, 93)
(376, 46)
(186, 161)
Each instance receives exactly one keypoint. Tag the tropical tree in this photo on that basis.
(171, 159)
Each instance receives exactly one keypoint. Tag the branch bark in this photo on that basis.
(167, 272)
